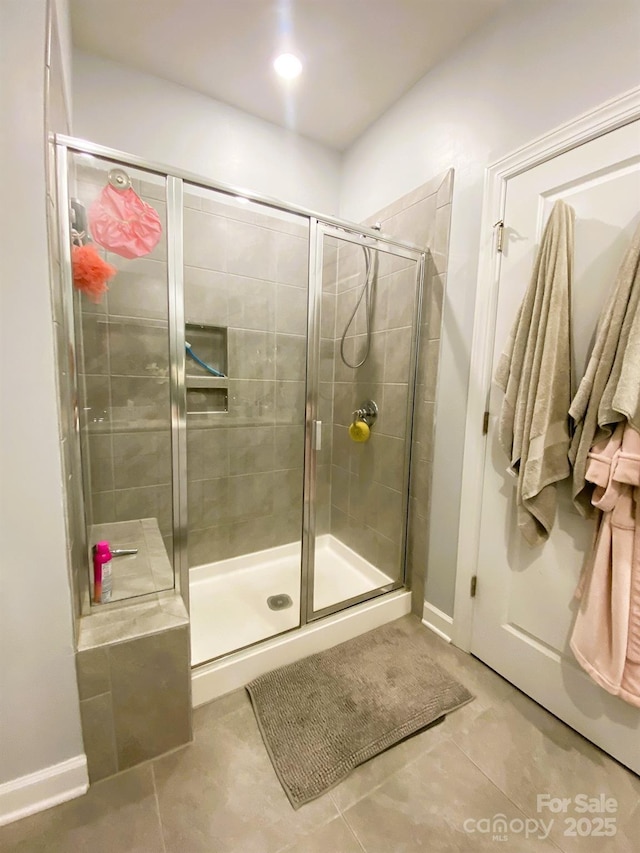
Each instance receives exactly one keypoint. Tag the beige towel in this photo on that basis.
(535, 373)
(610, 389)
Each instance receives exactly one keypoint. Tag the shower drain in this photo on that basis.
(279, 602)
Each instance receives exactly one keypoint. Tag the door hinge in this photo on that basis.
(474, 586)
(485, 423)
(500, 226)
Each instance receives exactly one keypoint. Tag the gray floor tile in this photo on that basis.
(221, 795)
(488, 687)
(118, 814)
(432, 805)
(333, 837)
(527, 751)
(375, 772)
(219, 708)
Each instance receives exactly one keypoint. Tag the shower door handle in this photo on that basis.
(316, 436)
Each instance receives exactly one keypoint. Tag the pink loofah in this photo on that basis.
(90, 272)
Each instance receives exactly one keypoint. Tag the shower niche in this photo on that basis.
(206, 369)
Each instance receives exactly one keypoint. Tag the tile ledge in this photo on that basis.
(132, 621)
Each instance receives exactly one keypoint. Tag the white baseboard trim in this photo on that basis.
(437, 621)
(38, 791)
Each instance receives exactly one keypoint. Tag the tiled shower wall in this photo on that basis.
(367, 479)
(424, 217)
(124, 377)
(247, 272)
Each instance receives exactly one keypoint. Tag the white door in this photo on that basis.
(524, 609)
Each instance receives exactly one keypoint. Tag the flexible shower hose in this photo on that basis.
(367, 291)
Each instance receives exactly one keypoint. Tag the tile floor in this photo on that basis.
(220, 794)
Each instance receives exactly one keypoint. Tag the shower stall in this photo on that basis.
(245, 397)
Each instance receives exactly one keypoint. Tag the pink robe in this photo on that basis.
(606, 634)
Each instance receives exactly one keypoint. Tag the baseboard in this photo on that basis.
(437, 621)
(42, 790)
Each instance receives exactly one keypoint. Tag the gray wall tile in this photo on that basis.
(205, 240)
(397, 362)
(92, 667)
(252, 303)
(289, 446)
(139, 399)
(291, 310)
(139, 289)
(96, 716)
(251, 449)
(251, 401)
(138, 347)
(292, 260)
(290, 402)
(207, 452)
(95, 344)
(250, 495)
(150, 679)
(145, 502)
(100, 457)
(250, 251)
(206, 297)
(291, 357)
(103, 507)
(251, 354)
(393, 412)
(141, 459)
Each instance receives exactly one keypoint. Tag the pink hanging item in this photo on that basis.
(121, 222)
(90, 272)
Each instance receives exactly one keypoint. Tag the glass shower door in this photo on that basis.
(245, 304)
(365, 339)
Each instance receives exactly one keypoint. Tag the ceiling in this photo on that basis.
(359, 56)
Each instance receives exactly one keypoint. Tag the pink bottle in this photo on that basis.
(102, 582)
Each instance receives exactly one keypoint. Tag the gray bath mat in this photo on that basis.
(326, 714)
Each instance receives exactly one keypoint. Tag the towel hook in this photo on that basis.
(119, 179)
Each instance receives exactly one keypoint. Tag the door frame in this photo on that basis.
(607, 117)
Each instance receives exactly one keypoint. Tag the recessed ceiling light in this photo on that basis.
(287, 65)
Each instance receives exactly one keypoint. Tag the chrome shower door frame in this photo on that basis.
(319, 229)
(177, 382)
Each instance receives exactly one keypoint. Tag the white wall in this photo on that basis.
(536, 65)
(122, 108)
(39, 711)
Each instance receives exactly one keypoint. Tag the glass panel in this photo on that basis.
(122, 344)
(246, 286)
(369, 305)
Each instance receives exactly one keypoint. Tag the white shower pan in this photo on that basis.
(230, 611)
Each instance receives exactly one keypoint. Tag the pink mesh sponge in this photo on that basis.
(90, 272)
(121, 222)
